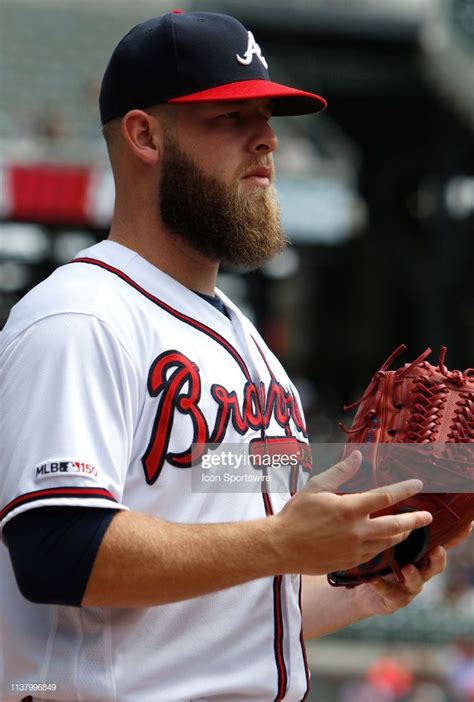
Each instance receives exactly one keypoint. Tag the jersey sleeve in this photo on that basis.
(69, 403)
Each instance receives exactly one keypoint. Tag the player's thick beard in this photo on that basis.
(238, 226)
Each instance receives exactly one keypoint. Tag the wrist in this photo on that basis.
(363, 605)
(283, 546)
(274, 544)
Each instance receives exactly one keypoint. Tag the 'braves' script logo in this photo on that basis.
(175, 379)
(253, 49)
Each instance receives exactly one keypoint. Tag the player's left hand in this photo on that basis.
(384, 595)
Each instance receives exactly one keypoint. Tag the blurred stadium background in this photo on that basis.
(377, 195)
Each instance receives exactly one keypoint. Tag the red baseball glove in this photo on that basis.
(415, 422)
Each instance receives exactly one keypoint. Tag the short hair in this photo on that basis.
(111, 131)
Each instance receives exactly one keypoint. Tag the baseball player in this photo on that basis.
(121, 579)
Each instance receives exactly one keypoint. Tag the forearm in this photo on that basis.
(327, 609)
(144, 561)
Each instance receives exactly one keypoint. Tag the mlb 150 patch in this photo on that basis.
(52, 468)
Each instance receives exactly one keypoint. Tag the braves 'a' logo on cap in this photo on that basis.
(253, 49)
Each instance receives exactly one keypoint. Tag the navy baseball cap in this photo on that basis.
(186, 57)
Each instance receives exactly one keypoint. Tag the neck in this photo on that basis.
(149, 237)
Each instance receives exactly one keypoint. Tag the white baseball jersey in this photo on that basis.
(111, 371)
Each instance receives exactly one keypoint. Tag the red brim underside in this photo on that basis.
(286, 101)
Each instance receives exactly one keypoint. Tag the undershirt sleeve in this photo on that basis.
(53, 549)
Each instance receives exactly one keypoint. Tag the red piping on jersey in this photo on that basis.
(294, 474)
(277, 615)
(272, 377)
(287, 428)
(167, 308)
(264, 359)
(266, 497)
(303, 647)
(99, 493)
(278, 639)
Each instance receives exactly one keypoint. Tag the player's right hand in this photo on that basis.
(320, 531)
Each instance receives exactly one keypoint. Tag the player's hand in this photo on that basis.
(319, 531)
(384, 595)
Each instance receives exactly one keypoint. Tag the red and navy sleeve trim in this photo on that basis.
(54, 493)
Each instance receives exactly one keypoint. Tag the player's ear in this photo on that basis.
(142, 134)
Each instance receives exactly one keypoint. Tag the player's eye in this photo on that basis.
(231, 115)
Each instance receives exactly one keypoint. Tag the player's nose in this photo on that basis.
(264, 140)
